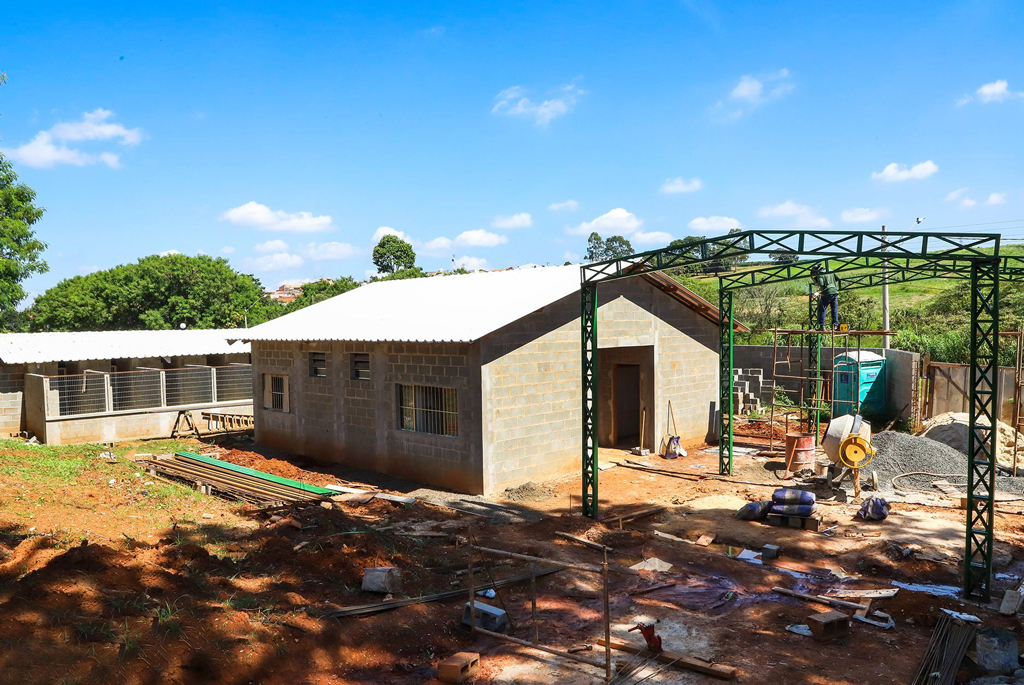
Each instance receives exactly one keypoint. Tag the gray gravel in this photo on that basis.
(901, 453)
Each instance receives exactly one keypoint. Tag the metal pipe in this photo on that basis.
(607, 622)
(592, 568)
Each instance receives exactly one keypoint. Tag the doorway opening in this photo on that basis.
(626, 415)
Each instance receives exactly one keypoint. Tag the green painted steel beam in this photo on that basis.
(306, 487)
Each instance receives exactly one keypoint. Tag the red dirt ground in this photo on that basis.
(225, 598)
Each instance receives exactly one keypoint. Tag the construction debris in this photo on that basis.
(487, 617)
(459, 667)
(828, 626)
(820, 599)
(950, 642)
(680, 660)
(382, 579)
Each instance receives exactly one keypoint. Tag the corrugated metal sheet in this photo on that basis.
(39, 348)
(461, 308)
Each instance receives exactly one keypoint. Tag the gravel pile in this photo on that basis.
(529, 492)
(898, 453)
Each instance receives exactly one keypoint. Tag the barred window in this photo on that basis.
(360, 366)
(427, 409)
(275, 392)
(318, 364)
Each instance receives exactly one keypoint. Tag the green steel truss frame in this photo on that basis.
(904, 256)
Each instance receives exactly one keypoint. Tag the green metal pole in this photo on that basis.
(981, 439)
(725, 370)
(588, 362)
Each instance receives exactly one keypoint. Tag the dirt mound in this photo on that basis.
(277, 467)
(529, 492)
(951, 429)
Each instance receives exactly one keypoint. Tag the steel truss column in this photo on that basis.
(588, 368)
(725, 368)
(981, 438)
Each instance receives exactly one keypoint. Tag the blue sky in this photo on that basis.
(286, 136)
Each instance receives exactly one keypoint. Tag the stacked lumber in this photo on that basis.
(239, 482)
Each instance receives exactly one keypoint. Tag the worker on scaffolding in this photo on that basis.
(828, 294)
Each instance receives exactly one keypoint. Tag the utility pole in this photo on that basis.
(885, 295)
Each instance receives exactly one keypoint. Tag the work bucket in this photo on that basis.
(799, 451)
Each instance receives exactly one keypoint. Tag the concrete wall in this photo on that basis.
(531, 378)
(356, 422)
(12, 399)
(138, 425)
(12, 379)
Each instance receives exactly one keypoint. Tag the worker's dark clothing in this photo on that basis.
(825, 301)
(828, 297)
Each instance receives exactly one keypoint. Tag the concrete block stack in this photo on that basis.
(750, 390)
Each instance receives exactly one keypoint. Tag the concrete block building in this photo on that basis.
(472, 382)
(110, 385)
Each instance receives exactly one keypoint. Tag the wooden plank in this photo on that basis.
(635, 515)
(585, 542)
(820, 599)
(690, 663)
(863, 594)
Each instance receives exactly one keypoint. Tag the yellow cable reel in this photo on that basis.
(856, 452)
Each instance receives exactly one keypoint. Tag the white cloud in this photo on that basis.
(227, 249)
(997, 91)
(94, 126)
(266, 219)
(860, 215)
(714, 223)
(750, 93)
(898, 172)
(572, 257)
(520, 220)
(955, 195)
(616, 222)
(387, 230)
(168, 253)
(86, 270)
(47, 148)
(319, 252)
(967, 203)
(961, 195)
(271, 246)
(480, 238)
(513, 102)
(651, 238)
(567, 206)
(996, 199)
(276, 261)
(470, 263)
(436, 247)
(672, 186)
(802, 215)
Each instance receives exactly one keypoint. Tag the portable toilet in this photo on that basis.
(858, 384)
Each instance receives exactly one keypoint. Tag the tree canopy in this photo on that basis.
(393, 254)
(156, 292)
(321, 290)
(20, 250)
(599, 249)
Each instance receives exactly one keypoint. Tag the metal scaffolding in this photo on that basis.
(904, 256)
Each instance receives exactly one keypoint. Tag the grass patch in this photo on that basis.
(167, 620)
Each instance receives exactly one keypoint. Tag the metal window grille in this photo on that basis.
(428, 409)
(97, 393)
(360, 366)
(318, 364)
(277, 393)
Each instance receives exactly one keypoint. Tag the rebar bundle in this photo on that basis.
(950, 642)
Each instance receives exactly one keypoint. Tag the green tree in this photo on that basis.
(782, 256)
(154, 293)
(617, 247)
(393, 254)
(20, 250)
(595, 248)
(599, 249)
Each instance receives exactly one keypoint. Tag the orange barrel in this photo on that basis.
(799, 451)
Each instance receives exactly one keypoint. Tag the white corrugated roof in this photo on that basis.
(38, 348)
(458, 308)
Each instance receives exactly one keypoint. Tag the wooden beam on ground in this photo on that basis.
(830, 601)
(690, 663)
(635, 515)
(585, 542)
